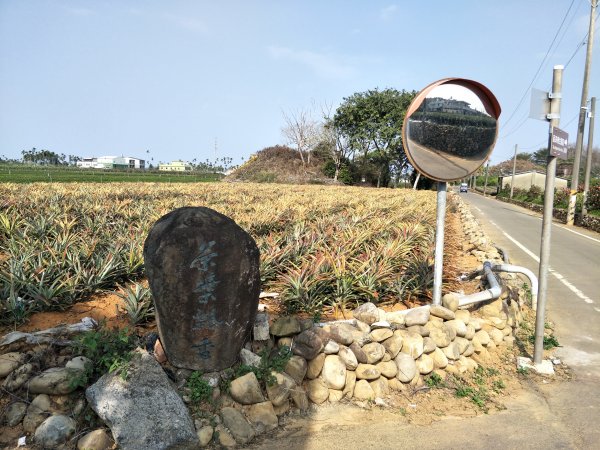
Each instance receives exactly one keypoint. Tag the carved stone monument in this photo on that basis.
(203, 271)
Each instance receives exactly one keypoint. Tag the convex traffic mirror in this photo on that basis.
(450, 128)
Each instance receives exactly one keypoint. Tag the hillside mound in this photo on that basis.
(281, 164)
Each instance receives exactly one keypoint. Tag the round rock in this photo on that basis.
(54, 431)
(348, 357)
(367, 372)
(279, 391)
(317, 391)
(374, 352)
(407, 369)
(98, 440)
(55, 381)
(205, 435)
(424, 364)
(307, 344)
(246, 390)
(334, 372)
(442, 312)
(9, 362)
(341, 335)
(296, 368)
(315, 366)
(331, 347)
(417, 316)
(285, 326)
(393, 345)
(367, 312)
(450, 301)
(363, 390)
(388, 369)
(15, 413)
(413, 345)
(381, 334)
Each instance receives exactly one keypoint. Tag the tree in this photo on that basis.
(334, 142)
(302, 132)
(540, 157)
(370, 123)
(45, 157)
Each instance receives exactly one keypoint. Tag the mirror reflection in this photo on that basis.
(451, 134)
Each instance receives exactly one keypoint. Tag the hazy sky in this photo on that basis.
(93, 78)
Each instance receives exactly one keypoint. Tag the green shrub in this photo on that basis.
(549, 341)
(200, 390)
(434, 380)
(269, 362)
(593, 198)
(561, 197)
(535, 194)
(109, 350)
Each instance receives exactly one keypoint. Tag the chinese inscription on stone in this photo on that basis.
(203, 270)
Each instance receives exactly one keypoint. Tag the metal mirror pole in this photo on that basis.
(438, 263)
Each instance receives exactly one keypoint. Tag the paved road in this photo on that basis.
(573, 294)
(573, 304)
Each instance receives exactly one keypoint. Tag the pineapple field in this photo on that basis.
(322, 248)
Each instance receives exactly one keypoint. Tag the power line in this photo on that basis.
(581, 44)
(545, 141)
(569, 24)
(514, 130)
(524, 119)
(540, 66)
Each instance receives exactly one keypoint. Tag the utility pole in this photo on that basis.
(588, 161)
(538, 350)
(512, 181)
(582, 111)
(487, 166)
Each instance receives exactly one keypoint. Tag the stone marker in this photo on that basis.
(203, 271)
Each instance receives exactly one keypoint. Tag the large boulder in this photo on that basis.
(203, 270)
(143, 411)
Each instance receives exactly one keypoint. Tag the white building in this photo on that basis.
(525, 180)
(112, 162)
(175, 166)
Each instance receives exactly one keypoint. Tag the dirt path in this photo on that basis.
(528, 422)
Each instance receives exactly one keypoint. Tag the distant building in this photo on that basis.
(449, 105)
(524, 180)
(175, 166)
(112, 162)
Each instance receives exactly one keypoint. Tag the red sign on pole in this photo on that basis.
(560, 140)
